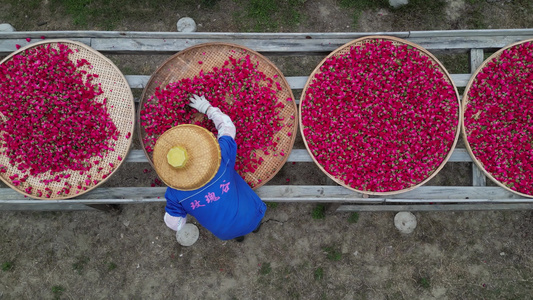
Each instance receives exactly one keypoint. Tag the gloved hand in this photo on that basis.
(199, 103)
(174, 223)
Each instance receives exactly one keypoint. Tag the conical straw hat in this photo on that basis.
(203, 154)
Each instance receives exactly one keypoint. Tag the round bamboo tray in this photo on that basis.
(121, 108)
(213, 55)
(345, 49)
(466, 101)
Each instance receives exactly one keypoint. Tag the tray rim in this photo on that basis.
(442, 69)
(465, 102)
(130, 140)
(281, 76)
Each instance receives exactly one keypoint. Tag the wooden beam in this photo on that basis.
(196, 35)
(301, 155)
(476, 59)
(290, 46)
(434, 208)
(265, 35)
(36, 205)
(295, 82)
(7, 46)
(478, 178)
(293, 193)
(281, 46)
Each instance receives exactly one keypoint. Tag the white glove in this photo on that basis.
(199, 103)
(222, 122)
(174, 223)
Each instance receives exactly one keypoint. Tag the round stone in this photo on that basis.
(186, 25)
(405, 222)
(188, 235)
(398, 3)
(6, 28)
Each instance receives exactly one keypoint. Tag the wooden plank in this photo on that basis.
(480, 196)
(460, 80)
(137, 81)
(37, 206)
(9, 45)
(301, 155)
(433, 208)
(460, 155)
(303, 193)
(291, 46)
(478, 178)
(281, 43)
(464, 44)
(423, 194)
(295, 82)
(265, 35)
(469, 33)
(170, 46)
(43, 206)
(195, 35)
(476, 59)
(99, 195)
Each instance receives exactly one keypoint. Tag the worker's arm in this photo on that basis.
(222, 121)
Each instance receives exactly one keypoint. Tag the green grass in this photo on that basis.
(80, 264)
(111, 266)
(427, 15)
(333, 253)
(455, 63)
(359, 6)
(261, 11)
(461, 90)
(318, 274)
(269, 15)
(23, 14)
(476, 18)
(57, 290)
(209, 3)
(424, 283)
(7, 266)
(265, 269)
(272, 204)
(107, 14)
(353, 218)
(319, 212)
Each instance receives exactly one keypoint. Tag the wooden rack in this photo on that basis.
(425, 198)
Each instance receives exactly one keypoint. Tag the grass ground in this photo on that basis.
(256, 15)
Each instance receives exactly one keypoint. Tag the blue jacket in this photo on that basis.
(226, 205)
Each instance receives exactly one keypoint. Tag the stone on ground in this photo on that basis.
(188, 235)
(405, 222)
(7, 28)
(186, 25)
(397, 3)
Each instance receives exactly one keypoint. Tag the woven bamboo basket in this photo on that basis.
(466, 101)
(121, 108)
(345, 49)
(185, 65)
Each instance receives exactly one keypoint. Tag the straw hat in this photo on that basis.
(202, 152)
